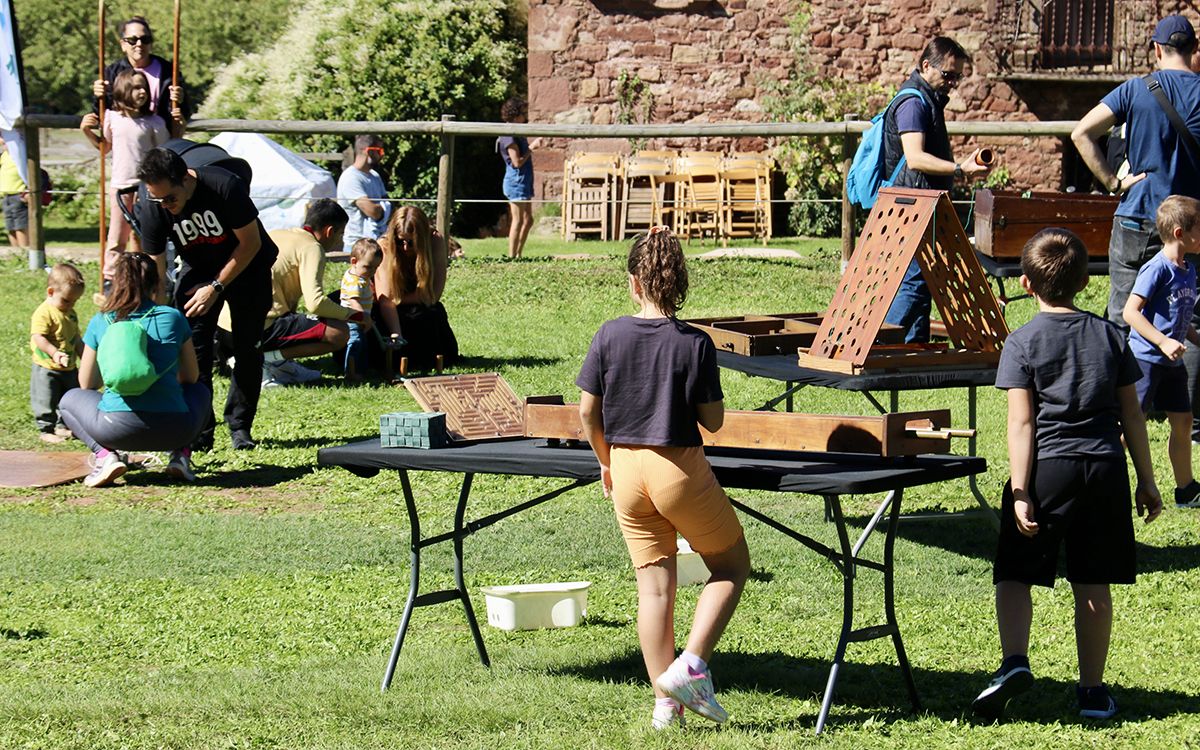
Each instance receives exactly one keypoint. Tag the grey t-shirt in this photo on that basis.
(1074, 363)
(651, 375)
(352, 185)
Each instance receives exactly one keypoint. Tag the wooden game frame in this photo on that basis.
(896, 434)
(780, 333)
(907, 224)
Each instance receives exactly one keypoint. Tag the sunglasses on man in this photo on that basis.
(134, 41)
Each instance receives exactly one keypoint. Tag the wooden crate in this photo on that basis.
(1004, 220)
(783, 333)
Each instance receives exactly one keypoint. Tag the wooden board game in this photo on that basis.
(1006, 219)
(898, 434)
(908, 224)
(760, 335)
(478, 406)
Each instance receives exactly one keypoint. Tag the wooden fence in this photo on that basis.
(448, 129)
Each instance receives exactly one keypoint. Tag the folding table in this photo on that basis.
(783, 367)
(826, 474)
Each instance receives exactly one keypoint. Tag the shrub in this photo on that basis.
(59, 42)
(374, 61)
(812, 165)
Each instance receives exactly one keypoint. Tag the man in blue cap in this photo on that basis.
(1161, 163)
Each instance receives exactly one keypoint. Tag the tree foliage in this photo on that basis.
(59, 42)
(813, 165)
(370, 60)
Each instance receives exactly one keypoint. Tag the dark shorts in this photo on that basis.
(1163, 388)
(290, 330)
(1084, 502)
(16, 213)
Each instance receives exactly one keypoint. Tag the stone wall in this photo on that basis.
(706, 61)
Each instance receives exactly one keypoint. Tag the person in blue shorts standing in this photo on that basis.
(517, 154)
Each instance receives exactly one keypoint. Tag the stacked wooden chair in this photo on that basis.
(697, 194)
(747, 201)
(642, 193)
(589, 194)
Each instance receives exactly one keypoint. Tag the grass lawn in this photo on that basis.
(256, 608)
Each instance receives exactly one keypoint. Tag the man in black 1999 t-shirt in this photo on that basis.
(207, 213)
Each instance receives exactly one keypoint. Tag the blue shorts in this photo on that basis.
(1163, 387)
(518, 186)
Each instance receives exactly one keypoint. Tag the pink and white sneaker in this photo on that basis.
(666, 716)
(692, 690)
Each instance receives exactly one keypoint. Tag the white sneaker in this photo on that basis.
(692, 690)
(665, 717)
(106, 470)
(298, 372)
(180, 466)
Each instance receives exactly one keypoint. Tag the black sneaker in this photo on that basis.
(1010, 680)
(242, 440)
(1188, 497)
(1095, 702)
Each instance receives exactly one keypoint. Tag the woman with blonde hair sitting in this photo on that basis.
(408, 290)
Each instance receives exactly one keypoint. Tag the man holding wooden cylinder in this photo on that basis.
(915, 133)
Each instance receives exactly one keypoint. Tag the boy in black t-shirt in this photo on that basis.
(1070, 381)
(227, 255)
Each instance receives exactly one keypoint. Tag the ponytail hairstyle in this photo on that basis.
(656, 261)
(409, 233)
(135, 280)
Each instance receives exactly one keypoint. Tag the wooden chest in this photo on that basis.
(759, 335)
(1004, 220)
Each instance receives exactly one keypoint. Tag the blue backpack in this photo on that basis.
(865, 177)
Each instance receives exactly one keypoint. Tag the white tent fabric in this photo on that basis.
(283, 182)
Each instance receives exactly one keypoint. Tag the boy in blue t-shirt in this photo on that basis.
(1070, 381)
(1159, 312)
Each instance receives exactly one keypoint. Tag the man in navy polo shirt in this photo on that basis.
(1160, 163)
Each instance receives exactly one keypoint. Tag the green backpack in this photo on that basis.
(123, 358)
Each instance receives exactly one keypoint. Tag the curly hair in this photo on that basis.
(656, 261)
(512, 109)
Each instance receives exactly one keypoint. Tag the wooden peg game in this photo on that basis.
(906, 224)
(898, 434)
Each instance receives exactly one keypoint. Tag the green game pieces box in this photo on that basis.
(413, 430)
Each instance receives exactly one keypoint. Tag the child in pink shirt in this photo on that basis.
(129, 131)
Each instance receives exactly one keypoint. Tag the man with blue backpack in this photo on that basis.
(915, 153)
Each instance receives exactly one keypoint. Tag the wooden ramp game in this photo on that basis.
(898, 434)
(907, 224)
(482, 406)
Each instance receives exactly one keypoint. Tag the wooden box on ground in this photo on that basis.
(1005, 219)
(783, 333)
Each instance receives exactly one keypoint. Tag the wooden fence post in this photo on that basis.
(445, 196)
(33, 163)
(849, 146)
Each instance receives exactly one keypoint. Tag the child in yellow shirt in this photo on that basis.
(56, 344)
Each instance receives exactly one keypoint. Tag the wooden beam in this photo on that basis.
(898, 434)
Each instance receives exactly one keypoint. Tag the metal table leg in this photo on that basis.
(850, 562)
(972, 442)
(462, 529)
